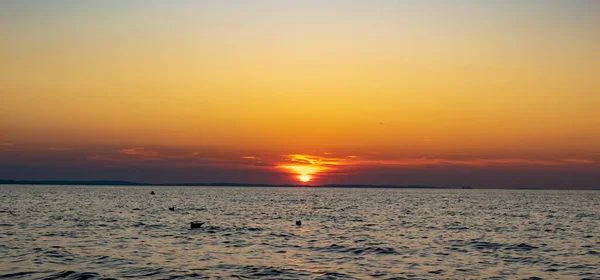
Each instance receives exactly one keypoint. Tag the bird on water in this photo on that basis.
(194, 225)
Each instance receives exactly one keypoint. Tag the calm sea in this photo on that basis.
(82, 232)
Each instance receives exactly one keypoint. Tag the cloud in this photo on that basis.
(579, 161)
(138, 151)
(314, 160)
(303, 169)
(152, 155)
(301, 164)
(6, 144)
(142, 153)
(249, 157)
(482, 162)
(142, 156)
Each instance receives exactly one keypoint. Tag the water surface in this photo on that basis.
(86, 232)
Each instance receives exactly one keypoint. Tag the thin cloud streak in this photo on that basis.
(139, 151)
(141, 156)
(579, 161)
(59, 149)
(250, 157)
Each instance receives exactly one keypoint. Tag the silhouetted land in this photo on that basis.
(128, 183)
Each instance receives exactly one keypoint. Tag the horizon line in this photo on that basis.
(229, 184)
(212, 184)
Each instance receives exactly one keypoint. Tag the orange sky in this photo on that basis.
(362, 86)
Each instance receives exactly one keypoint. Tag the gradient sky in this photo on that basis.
(481, 93)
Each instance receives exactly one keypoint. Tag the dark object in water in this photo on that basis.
(298, 223)
(152, 192)
(194, 225)
(172, 208)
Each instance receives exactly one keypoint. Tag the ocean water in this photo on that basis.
(99, 232)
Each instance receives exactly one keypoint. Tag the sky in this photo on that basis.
(488, 94)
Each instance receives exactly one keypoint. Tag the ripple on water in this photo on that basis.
(69, 274)
(359, 250)
(20, 274)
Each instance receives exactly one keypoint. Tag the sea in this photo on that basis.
(125, 232)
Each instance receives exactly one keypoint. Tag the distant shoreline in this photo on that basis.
(129, 183)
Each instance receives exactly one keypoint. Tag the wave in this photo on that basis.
(359, 250)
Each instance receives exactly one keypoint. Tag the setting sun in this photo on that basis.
(304, 172)
(304, 177)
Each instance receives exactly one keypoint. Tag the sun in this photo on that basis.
(303, 172)
(304, 177)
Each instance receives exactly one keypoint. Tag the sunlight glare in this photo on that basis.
(304, 177)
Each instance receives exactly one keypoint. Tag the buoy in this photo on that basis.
(298, 223)
(172, 208)
(152, 192)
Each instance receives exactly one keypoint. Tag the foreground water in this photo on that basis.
(82, 232)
